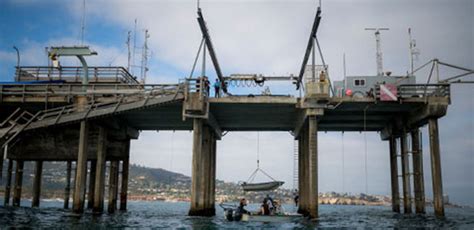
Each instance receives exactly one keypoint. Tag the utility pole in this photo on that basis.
(379, 49)
(145, 56)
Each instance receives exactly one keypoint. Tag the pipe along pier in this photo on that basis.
(89, 126)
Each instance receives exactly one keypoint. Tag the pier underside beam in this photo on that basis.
(394, 175)
(81, 169)
(436, 167)
(203, 170)
(405, 174)
(99, 187)
(418, 180)
(37, 184)
(18, 183)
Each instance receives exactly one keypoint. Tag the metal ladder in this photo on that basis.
(295, 164)
(14, 124)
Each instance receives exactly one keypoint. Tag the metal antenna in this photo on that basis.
(414, 52)
(129, 50)
(145, 57)
(83, 21)
(134, 43)
(379, 49)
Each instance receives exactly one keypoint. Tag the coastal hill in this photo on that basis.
(147, 183)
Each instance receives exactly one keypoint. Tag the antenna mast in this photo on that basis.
(145, 57)
(129, 55)
(414, 52)
(83, 21)
(379, 55)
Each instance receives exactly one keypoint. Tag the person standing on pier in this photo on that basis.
(217, 86)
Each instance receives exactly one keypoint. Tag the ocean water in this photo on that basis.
(173, 216)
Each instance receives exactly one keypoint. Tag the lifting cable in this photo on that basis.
(343, 163)
(252, 176)
(365, 149)
(196, 59)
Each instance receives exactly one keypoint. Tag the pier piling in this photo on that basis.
(405, 173)
(418, 180)
(436, 168)
(394, 174)
(90, 192)
(113, 182)
(99, 187)
(124, 186)
(8, 184)
(37, 184)
(313, 166)
(18, 183)
(202, 169)
(67, 189)
(81, 169)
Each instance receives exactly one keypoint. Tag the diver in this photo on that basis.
(241, 209)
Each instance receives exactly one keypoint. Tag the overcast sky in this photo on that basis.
(269, 37)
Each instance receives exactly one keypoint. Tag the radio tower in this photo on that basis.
(379, 49)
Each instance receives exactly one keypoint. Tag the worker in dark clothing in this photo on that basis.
(241, 209)
(207, 85)
(265, 208)
(297, 197)
(217, 86)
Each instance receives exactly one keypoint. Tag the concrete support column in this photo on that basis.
(81, 169)
(300, 173)
(418, 180)
(436, 168)
(37, 184)
(99, 187)
(202, 170)
(304, 182)
(6, 200)
(18, 183)
(405, 174)
(113, 186)
(67, 190)
(313, 166)
(90, 192)
(394, 175)
(124, 186)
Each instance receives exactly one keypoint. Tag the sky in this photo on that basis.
(268, 37)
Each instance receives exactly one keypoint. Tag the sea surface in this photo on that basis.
(166, 215)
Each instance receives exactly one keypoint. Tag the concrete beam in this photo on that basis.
(212, 122)
(436, 168)
(302, 117)
(37, 184)
(433, 109)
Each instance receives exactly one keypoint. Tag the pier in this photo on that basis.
(86, 116)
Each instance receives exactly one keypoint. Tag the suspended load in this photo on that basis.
(248, 186)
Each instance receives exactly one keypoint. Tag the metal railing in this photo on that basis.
(196, 85)
(420, 90)
(97, 74)
(45, 91)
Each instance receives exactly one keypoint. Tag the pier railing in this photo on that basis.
(97, 74)
(420, 90)
(39, 92)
